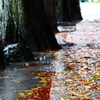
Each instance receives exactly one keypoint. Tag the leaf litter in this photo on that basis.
(82, 81)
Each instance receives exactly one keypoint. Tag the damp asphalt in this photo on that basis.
(14, 78)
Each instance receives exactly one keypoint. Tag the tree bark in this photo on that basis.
(2, 62)
(70, 10)
(40, 31)
(50, 6)
(27, 23)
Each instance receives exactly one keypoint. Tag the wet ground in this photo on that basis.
(14, 78)
(72, 73)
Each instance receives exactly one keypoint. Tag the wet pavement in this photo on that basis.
(14, 78)
(72, 73)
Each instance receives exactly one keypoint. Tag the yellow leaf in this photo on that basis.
(69, 60)
(93, 83)
(73, 97)
(37, 76)
(98, 59)
(98, 64)
(88, 94)
(35, 89)
(75, 85)
(5, 77)
(1, 77)
(96, 73)
(71, 88)
(98, 89)
(43, 81)
(75, 94)
(64, 98)
(68, 80)
(21, 94)
(84, 51)
(87, 88)
(18, 82)
(80, 95)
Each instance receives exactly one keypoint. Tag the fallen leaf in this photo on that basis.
(94, 78)
(73, 97)
(87, 88)
(96, 73)
(83, 92)
(97, 98)
(68, 80)
(71, 64)
(18, 82)
(64, 98)
(6, 77)
(31, 64)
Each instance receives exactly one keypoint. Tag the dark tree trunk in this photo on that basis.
(29, 25)
(69, 10)
(66, 10)
(2, 62)
(39, 31)
(50, 6)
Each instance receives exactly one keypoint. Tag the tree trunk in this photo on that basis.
(50, 6)
(27, 23)
(40, 33)
(2, 62)
(70, 10)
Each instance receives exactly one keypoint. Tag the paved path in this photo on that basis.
(15, 79)
(72, 73)
(84, 58)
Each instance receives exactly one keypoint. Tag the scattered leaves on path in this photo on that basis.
(82, 82)
(5, 77)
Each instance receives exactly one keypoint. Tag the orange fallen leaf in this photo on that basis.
(56, 59)
(71, 65)
(83, 92)
(95, 87)
(87, 69)
(31, 64)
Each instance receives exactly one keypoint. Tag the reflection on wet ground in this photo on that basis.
(15, 79)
